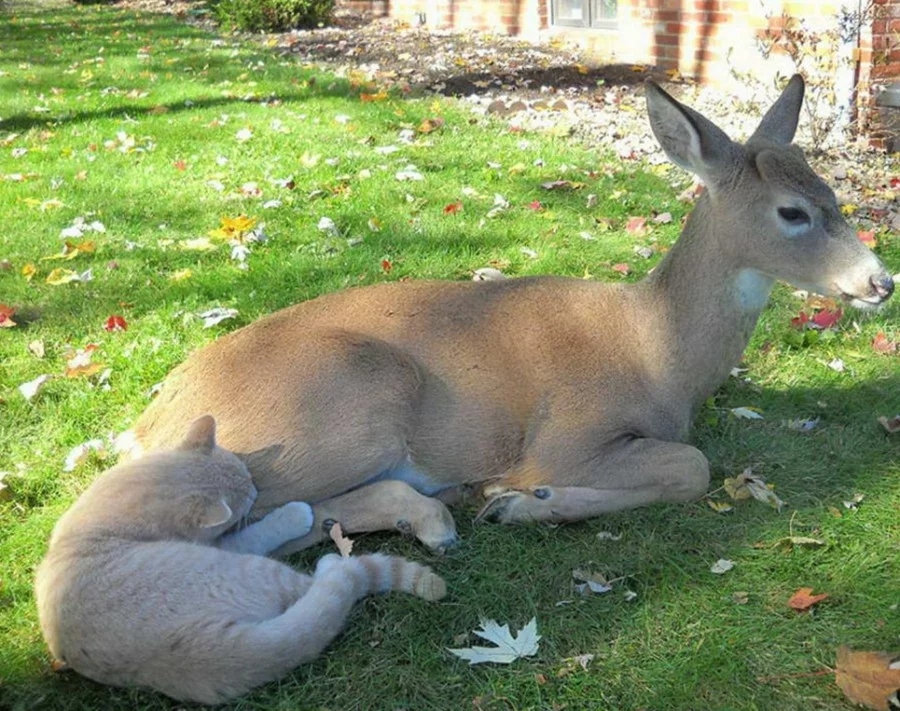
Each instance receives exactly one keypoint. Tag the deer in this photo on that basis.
(551, 399)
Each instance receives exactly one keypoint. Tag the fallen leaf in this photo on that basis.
(507, 649)
(892, 425)
(837, 365)
(28, 271)
(6, 316)
(571, 664)
(344, 544)
(854, 503)
(867, 237)
(826, 318)
(179, 165)
(721, 566)
(720, 506)
(622, 268)
(453, 208)
(868, 678)
(664, 218)
(62, 276)
(115, 323)
(198, 244)
(386, 266)
(181, 275)
(216, 316)
(746, 413)
(595, 582)
(740, 598)
(803, 599)
(746, 485)
(430, 125)
(79, 454)
(608, 536)
(881, 344)
(636, 225)
(535, 205)
(32, 387)
(36, 348)
(488, 274)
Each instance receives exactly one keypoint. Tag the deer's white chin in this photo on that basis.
(863, 304)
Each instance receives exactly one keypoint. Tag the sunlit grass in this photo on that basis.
(79, 85)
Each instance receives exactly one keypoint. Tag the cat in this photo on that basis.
(145, 583)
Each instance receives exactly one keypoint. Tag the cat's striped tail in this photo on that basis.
(378, 573)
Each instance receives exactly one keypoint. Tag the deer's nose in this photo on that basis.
(883, 286)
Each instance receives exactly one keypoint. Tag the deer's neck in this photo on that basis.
(708, 305)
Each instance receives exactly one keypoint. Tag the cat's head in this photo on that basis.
(195, 491)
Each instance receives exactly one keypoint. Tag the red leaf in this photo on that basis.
(636, 225)
(803, 599)
(622, 268)
(535, 205)
(6, 314)
(895, 182)
(800, 321)
(179, 165)
(827, 318)
(453, 208)
(881, 344)
(116, 323)
(867, 237)
(386, 266)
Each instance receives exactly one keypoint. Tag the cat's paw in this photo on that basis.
(329, 562)
(294, 519)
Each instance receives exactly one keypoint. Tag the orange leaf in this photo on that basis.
(6, 314)
(453, 208)
(386, 265)
(881, 344)
(803, 599)
(867, 237)
(867, 678)
(622, 268)
(369, 98)
(430, 125)
(84, 371)
(179, 165)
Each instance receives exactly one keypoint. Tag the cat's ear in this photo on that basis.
(201, 435)
(215, 513)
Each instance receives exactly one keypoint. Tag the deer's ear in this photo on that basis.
(201, 435)
(690, 140)
(780, 122)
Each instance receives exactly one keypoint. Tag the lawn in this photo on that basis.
(154, 132)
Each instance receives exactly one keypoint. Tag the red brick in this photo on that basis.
(674, 28)
(668, 40)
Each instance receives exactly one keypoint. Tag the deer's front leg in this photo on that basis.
(643, 471)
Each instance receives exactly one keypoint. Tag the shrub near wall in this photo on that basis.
(260, 15)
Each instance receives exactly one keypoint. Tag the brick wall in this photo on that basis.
(703, 39)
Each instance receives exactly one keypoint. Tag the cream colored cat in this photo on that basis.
(142, 585)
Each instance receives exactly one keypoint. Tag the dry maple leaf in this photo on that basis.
(344, 544)
(803, 599)
(881, 344)
(868, 678)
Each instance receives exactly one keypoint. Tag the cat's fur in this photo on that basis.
(141, 588)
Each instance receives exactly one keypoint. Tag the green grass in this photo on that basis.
(682, 644)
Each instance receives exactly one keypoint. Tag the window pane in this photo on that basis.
(570, 10)
(605, 9)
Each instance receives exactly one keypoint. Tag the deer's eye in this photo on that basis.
(794, 216)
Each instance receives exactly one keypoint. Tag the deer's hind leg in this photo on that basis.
(381, 506)
(636, 472)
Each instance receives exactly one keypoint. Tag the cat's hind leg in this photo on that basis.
(381, 506)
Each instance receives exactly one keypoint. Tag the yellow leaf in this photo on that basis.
(28, 271)
(849, 209)
(84, 371)
(61, 276)
(582, 69)
(181, 275)
(720, 506)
